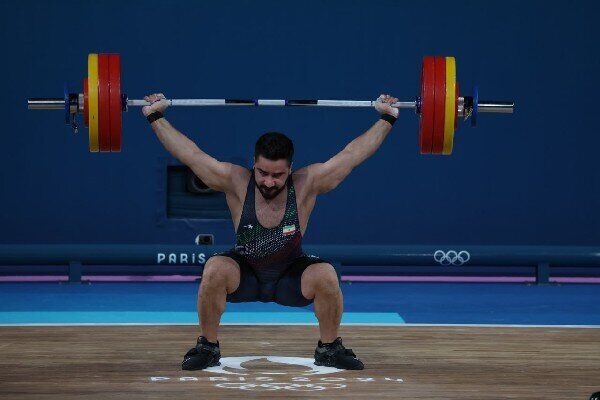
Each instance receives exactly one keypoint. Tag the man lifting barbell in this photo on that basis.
(268, 263)
(270, 207)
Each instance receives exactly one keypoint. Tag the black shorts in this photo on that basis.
(286, 290)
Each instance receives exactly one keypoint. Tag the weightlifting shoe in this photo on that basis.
(204, 355)
(336, 355)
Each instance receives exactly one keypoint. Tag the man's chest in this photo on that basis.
(270, 215)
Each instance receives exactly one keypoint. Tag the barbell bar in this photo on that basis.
(439, 104)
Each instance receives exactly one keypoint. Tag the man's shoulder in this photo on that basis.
(300, 176)
(237, 171)
(302, 179)
(239, 179)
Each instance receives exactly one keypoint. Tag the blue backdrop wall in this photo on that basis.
(530, 178)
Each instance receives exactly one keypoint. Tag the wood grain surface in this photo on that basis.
(403, 362)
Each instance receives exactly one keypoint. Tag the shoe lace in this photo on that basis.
(339, 348)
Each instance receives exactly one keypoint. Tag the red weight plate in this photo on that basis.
(86, 106)
(427, 104)
(103, 103)
(439, 113)
(456, 112)
(115, 102)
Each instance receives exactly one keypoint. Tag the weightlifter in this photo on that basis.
(270, 206)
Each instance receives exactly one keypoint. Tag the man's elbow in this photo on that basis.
(189, 157)
(353, 158)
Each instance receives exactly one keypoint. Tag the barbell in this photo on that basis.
(439, 104)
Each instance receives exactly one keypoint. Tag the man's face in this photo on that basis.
(270, 176)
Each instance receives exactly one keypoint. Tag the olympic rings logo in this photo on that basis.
(451, 257)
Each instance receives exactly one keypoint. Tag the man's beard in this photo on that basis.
(269, 193)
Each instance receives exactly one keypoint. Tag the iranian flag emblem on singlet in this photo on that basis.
(289, 229)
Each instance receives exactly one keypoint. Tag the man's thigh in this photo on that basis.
(248, 290)
(288, 291)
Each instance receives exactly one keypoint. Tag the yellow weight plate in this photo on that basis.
(450, 105)
(93, 101)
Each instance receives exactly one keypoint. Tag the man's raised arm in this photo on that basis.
(326, 176)
(215, 174)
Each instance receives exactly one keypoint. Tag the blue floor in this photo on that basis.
(365, 303)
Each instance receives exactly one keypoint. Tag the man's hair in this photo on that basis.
(274, 146)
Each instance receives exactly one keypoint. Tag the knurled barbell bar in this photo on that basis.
(439, 104)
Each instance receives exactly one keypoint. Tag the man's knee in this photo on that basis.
(220, 273)
(319, 278)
